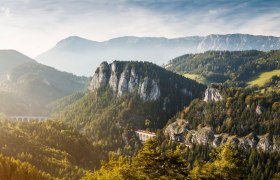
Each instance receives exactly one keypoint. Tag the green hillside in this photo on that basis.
(263, 78)
(236, 113)
(233, 68)
(196, 77)
(60, 104)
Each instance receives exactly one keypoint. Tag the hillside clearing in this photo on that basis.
(196, 77)
(262, 78)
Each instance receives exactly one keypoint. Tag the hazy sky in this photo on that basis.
(34, 26)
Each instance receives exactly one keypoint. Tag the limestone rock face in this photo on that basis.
(133, 81)
(155, 92)
(114, 81)
(259, 110)
(276, 143)
(125, 80)
(249, 141)
(175, 129)
(180, 131)
(265, 144)
(212, 94)
(100, 77)
(203, 136)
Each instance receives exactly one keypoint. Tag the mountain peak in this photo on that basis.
(74, 40)
(10, 58)
(11, 52)
(146, 79)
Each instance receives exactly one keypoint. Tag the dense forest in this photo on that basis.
(178, 162)
(11, 168)
(52, 147)
(241, 112)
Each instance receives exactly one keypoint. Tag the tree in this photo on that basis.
(225, 164)
(149, 163)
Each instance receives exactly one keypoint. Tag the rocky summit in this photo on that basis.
(126, 81)
(143, 78)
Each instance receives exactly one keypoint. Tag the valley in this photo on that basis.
(204, 115)
(130, 107)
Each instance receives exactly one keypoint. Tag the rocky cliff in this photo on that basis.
(179, 131)
(212, 94)
(149, 81)
(125, 80)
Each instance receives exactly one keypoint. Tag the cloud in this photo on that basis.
(33, 26)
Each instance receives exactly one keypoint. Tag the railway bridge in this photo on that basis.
(144, 135)
(29, 118)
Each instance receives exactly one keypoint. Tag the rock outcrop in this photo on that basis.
(265, 143)
(179, 131)
(212, 94)
(149, 81)
(202, 136)
(125, 80)
(259, 110)
(175, 131)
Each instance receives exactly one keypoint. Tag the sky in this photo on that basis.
(34, 26)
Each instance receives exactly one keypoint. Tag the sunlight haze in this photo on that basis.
(34, 26)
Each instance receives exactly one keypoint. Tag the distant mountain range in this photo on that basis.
(27, 87)
(81, 56)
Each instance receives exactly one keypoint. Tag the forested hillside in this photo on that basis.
(52, 147)
(235, 67)
(159, 161)
(11, 168)
(27, 87)
(241, 112)
(247, 122)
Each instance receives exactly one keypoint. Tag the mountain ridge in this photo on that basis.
(11, 58)
(159, 50)
(26, 86)
(234, 67)
(162, 37)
